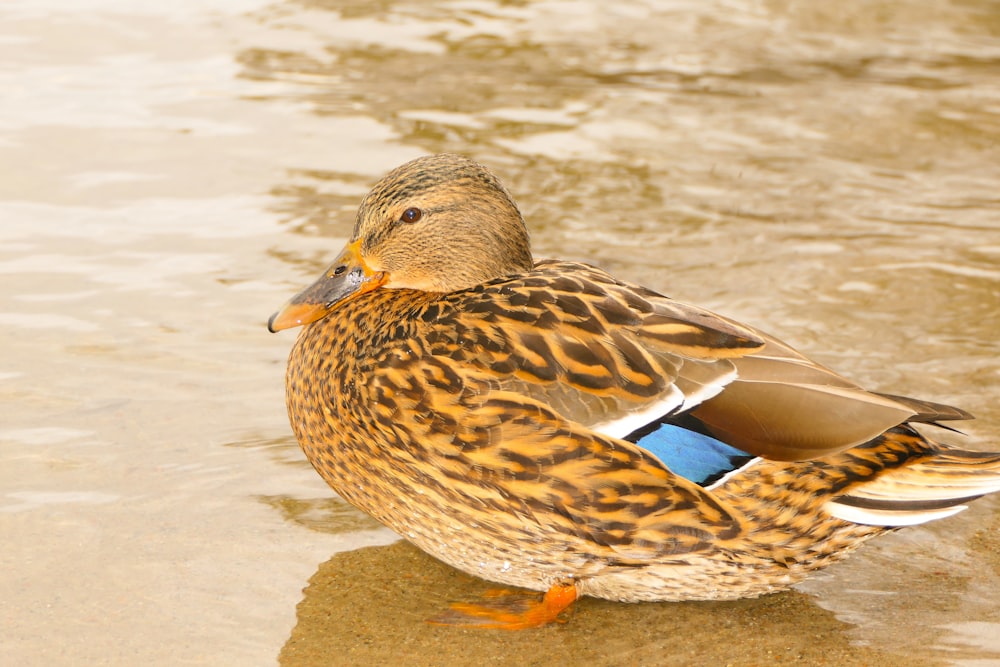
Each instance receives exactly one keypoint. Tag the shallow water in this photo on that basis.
(172, 173)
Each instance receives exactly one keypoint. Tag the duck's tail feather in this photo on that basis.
(931, 488)
(929, 412)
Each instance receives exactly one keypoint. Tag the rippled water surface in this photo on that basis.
(172, 172)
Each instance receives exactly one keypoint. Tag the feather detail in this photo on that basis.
(869, 516)
(784, 406)
(692, 455)
(676, 400)
(932, 489)
(928, 411)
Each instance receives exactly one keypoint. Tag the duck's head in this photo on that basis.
(439, 223)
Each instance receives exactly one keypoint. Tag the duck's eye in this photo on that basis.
(411, 215)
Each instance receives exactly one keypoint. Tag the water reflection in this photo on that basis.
(971, 640)
(369, 607)
(327, 515)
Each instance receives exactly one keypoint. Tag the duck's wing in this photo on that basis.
(460, 405)
(620, 359)
(622, 502)
(781, 405)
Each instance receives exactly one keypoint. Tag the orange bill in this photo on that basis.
(347, 277)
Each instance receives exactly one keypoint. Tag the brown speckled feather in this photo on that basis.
(490, 415)
(443, 406)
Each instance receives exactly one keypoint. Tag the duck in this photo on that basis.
(546, 426)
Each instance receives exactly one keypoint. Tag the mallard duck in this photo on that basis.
(548, 426)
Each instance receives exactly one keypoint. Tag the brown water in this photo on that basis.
(829, 172)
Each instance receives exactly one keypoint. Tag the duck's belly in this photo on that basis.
(500, 547)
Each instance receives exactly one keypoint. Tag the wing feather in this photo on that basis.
(611, 356)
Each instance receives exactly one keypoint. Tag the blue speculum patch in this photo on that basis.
(690, 454)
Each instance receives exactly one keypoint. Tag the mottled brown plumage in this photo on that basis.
(504, 415)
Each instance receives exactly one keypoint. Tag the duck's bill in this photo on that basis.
(347, 276)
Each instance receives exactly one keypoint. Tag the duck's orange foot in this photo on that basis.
(510, 611)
